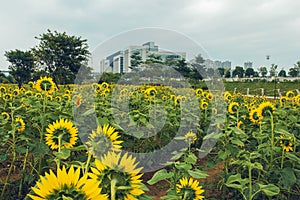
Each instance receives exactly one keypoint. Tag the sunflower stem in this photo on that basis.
(113, 188)
(23, 170)
(59, 150)
(186, 193)
(272, 137)
(13, 145)
(87, 163)
(282, 158)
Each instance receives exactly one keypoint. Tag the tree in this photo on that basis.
(182, 67)
(170, 61)
(22, 65)
(152, 58)
(198, 69)
(227, 73)
(135, 61)
(238, 71)
(62, 55)
(297, 67)
(273, 70)
(249, 72)
(282, 73)
(221, 71)
(293, 72)
(263, 71)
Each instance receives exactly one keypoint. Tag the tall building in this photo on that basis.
(119, 62)
(226, 64)
(248, 65)
(217, 64)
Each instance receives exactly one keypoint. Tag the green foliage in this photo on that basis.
(22, 65)
(135, 61)
(61, 55)
(238, 71)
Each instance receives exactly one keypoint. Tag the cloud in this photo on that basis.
(229, 29)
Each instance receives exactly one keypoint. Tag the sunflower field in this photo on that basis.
(120, 142)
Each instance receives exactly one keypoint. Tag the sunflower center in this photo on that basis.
(187, 193)
(45, 85)
(67, 192)
(63, 133)
(266, 111)
(101, 145)
(123, 182)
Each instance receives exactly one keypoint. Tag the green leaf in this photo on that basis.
(183, 166)
(288, 177)
(293, 157)
(138, 134)
(89, 112)
(3, 157)
(270, 189)
(103, 120)
(79, 148)
(191, 159)
(197, 174)
(237, 142)
(170, 197)
(177, 156)
(257, 165)
(63, 154)
(223, 154)
(238, 131)
(159, 176)
(235, 180)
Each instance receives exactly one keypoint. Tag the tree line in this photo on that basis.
(57, 55)
(60, 56)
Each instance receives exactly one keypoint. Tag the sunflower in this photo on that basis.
(103, 140)
(151, 91)
(164, 98)
(227, 96)
(239, 124)
(181, 98)
(120, 173)
(16, 92)
(289, 94)
(203, 105)
(20, 124)
(2, 89)
(78, 100)
(104, 85)
(199, 92)
(264, 109)
(5, 115)
(66, 185)
(58, 98)
(61, 131)
(189, 189)
(28, 93)
(49, 97)
(45, 84)
(190, 137)
(286, 144)
(7, 97)
(66, 97)
(39, 95)
(283, 100)
(233, 107)
(31, 84)
(254, 117)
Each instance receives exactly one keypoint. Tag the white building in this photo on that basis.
(217, 64)
(119, 62)
(248, 65)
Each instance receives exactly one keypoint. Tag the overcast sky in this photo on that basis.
(232, 30)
